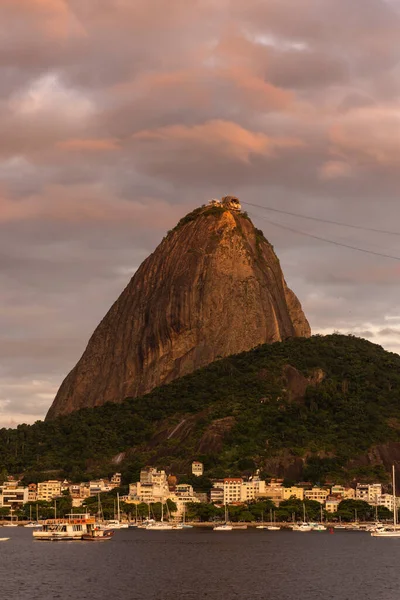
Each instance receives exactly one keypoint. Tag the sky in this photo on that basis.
(119, 117)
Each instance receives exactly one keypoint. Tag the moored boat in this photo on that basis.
(70, 529)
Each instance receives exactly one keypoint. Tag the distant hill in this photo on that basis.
(213, 287)
(315, 409)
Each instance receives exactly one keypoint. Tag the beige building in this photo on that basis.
(152, 487)
(317, 494)
(293, 492)
(274, 491)
(345, 493)
(217, 494)
(255, 488)
(47, 490)
(197, 468)
(32, 492)
(332, 503)
(369, 492)
(387, 501)
(232, 489)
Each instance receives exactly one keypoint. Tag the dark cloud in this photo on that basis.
(117, 118)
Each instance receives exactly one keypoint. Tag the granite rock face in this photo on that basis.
(212, 288)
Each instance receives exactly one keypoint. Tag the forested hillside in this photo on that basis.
(317, 408)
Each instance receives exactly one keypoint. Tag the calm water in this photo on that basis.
(202, 564)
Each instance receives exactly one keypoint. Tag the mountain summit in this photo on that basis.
(212, 288)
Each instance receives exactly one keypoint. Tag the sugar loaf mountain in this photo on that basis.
(207, 355)
(213, 287)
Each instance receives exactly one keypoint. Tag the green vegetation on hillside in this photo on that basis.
(353, 408)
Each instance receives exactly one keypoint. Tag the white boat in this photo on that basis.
(10, 524)
(4, 539)
(73, 528)
(224, 526)
(32, 525)
(389, 531)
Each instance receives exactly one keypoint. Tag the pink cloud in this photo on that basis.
(224, 138)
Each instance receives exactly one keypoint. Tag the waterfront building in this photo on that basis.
(317, 494)
(32, 492)
(217, 494)
(369, 492)
(197, 468)
(345, 493)
(232, 489)
(47, 490)
(252, 489)
(152, 487)
(332, 503)
(13, 495)
(386, 500)
(293, 492)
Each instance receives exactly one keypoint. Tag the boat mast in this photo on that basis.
(118, 511)
(394, 498)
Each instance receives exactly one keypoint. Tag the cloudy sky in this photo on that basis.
(117, 117)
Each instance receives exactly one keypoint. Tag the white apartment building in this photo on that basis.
(387, 501)
(47, 490)
(232, 490)
(13, 494)
(369, 492)
(197, 468)
(317, 494)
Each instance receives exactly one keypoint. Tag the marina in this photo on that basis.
(263, 564)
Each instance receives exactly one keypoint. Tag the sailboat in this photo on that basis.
(262, 526)
(224, 526)
(319, 526)
(116, 522)
(185, 525)
(11, 523)
(304, 525)
(160, 525)
(273, 526)
(32, 523)
(393, 531)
